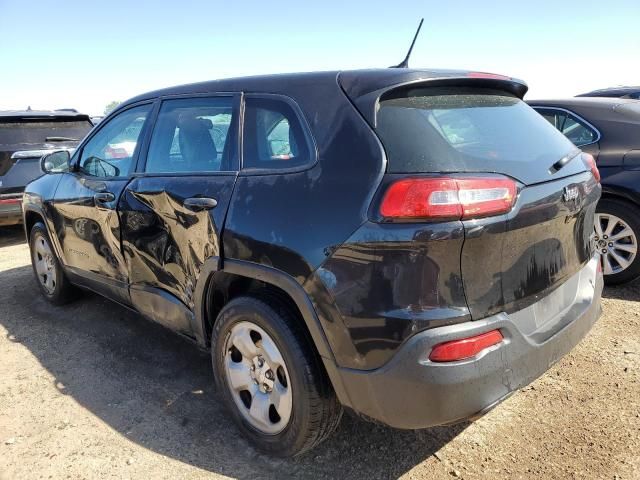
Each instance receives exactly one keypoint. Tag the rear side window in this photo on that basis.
(273, 136)
(571, 126)
(39, 131)
(193, 135)
(459, 129)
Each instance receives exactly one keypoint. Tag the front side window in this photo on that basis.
(571, 126)
(273, 136)
(110, 152)
(193, 135)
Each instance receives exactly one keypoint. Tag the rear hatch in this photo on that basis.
(511, 258)
(29, 135)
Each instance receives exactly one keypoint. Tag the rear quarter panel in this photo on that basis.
(293, 221)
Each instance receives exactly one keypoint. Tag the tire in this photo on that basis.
(315, 411)
(50, 277)
(623, 248)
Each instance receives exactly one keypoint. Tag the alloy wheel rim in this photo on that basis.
(44, 264)
(616, 241)
(258, 378)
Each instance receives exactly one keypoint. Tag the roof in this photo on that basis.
(363, 87)
(611, 91)
(355, 82)
(41, 114)
(594, 102)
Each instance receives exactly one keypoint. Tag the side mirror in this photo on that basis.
(55, 162)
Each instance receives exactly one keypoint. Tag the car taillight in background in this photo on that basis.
(448, 197)
(590, 162)
(115, 152)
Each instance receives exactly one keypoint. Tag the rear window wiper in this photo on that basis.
(60, 139)
(563, 161)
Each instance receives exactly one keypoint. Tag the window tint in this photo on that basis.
(193, 135)
(457, 129)
(273, 136)
(574, 129)
(110, 152)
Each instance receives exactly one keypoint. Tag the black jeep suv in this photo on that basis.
(412, 245)
(24, 137)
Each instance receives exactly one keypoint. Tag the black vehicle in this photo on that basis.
(412, 245)
(619, 92)
(24, 137)
(609, 130)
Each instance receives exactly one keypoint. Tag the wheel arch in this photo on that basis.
(620, 194)
(237, 277)
(31, 217)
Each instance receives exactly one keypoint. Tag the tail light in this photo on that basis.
(448, 197)
(465, 347)
(590, 162)
(493, 76)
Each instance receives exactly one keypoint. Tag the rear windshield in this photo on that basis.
(465, 130)
(37, 132)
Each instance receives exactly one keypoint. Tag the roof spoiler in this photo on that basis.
(367, 102)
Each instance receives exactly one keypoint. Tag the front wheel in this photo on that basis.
(617, 230)
(52, 281)
(270, 377)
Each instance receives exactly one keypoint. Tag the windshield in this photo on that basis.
(458, 129)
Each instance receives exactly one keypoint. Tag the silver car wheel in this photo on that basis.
(258, 378)
(44, 263)
(616, 242)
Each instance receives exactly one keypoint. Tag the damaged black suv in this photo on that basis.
(411, 245)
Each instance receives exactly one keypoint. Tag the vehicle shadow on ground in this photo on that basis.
(628, 291)
(11, 235)
(156, 389)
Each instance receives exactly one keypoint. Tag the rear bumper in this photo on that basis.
(412, 392)
(10, 209)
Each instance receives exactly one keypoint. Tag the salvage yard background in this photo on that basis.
(91, 390)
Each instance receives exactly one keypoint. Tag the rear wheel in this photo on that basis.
(271, 378)
(617, 230)
(52, 281)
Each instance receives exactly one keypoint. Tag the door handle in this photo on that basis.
(104, 197)
(198, 204)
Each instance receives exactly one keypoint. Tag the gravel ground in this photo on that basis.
(91, 390)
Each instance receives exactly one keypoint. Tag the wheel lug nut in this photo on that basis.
(605, 236)
(611, 244)
(269, 375)
(604, 250)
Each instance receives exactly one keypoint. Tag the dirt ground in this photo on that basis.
(91, 390)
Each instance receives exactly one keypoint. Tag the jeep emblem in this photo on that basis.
(570, 194)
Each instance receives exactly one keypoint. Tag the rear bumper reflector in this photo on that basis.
(465, 347)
